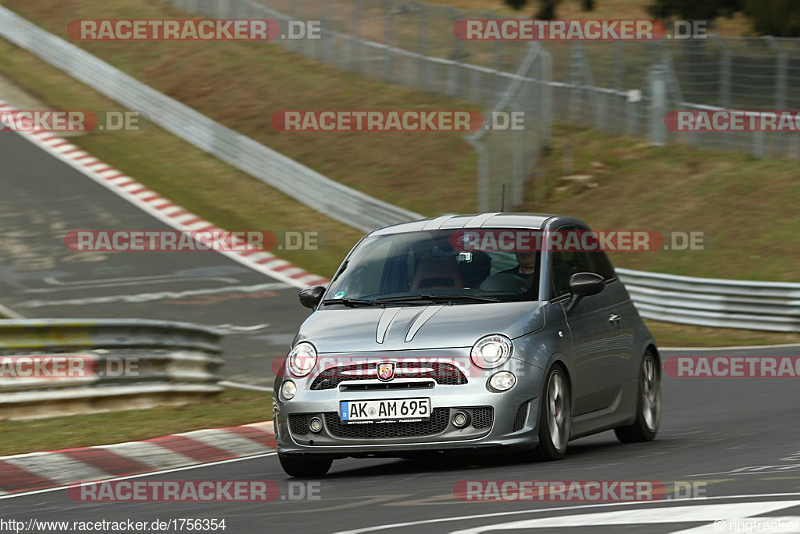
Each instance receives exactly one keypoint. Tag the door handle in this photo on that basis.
(614, 319)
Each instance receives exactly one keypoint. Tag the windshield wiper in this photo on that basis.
(437, 298)
(351, 302)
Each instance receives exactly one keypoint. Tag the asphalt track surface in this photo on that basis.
(43, 198)
(735, 436)
(738, 438)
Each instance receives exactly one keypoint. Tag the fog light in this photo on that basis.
(502, 381)
(460, 420)
(315, 424)
(288, 389)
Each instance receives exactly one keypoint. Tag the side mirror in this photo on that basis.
(584, 285)
(310, 296)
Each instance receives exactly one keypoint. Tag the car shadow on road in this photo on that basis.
(594, 451)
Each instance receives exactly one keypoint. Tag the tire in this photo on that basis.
(305, 465)
(555, 416)
(648, 405)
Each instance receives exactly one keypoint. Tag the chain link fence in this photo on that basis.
(622, 87)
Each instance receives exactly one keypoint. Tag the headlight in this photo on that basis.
(288, 390)
(502, 381)
(491, 351)
(301, 359)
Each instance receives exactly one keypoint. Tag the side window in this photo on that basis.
(565, 264)
(602, 265)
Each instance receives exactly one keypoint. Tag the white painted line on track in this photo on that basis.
(140, 475)
(389, 526)
(677, 514)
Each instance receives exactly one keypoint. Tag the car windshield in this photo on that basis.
(424, 266)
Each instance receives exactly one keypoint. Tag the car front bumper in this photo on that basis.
(497, 419)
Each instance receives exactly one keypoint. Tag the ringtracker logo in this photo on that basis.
(65, 121)
(174, 30)
(687, 120)
(733, 366)
(175, 491)
(576, 240)
(377, 121)
(577, 30)
(188, 241)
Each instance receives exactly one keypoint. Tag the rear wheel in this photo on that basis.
(555, 416)
(305, 465)
(648, 410)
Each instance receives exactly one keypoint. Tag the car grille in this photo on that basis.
(445, 374)
(482, 417)
(435, 425)
(522, 416)
(299, 424)
(438, 423)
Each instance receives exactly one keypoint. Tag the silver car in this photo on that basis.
(436, 336)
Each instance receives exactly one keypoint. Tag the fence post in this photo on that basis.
(725, 84)
(388, 37)
(576, 80)
(355, 36)
(517, 163)
(657, 78)
(546, 95)
(780, 87)
(423, 72)
(327, 32)
(483, 172)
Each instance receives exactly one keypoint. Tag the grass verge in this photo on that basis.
(230, 408)
(632, 185)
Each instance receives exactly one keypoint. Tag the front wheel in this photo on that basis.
(648, 410)
(305, 465)
(555, 417)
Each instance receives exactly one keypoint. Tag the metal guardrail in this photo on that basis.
(773, 306)
(288, 176)
(118, 364)
(679, 299)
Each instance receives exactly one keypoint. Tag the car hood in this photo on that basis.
(417, 327)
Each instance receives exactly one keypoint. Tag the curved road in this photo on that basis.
(732, 436)
(736, 439)
(43, 198)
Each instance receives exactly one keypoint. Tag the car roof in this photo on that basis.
(534, 221)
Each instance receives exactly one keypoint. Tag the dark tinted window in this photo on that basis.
(564, 265)
(602, 265)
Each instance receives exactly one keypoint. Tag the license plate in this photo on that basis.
(389, 410)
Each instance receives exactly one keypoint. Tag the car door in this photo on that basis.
(595, 385)
(623, 317)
